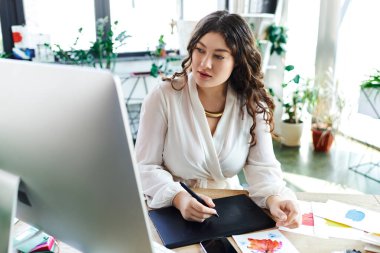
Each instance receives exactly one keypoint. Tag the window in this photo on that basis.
(302, 23)
(142, 20)
(145, 22)
(194, 10)
(61, 19)
(358, 57)
(358, 45)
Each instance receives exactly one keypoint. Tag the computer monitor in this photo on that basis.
(64, 132)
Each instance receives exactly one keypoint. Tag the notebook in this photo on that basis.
(237, 214)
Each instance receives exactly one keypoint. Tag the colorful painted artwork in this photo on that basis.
(269, 241)
(350, 215)
(355, 215)
(264, 245)
(331, 229)
(308, 219)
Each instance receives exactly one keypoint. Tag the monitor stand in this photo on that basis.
(8, 201)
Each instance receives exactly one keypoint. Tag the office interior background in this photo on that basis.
(330, 42)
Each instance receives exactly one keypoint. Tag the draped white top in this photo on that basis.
(174, 143)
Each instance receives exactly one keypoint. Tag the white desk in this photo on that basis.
(303, 243)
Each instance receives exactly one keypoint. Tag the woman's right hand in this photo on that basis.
(191, 209)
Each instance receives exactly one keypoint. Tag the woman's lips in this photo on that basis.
(204, 74)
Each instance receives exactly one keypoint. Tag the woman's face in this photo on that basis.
(212, 62)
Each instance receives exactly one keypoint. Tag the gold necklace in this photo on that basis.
(213, 114)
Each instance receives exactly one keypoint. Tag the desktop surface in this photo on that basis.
(301, 242)
(304, 243)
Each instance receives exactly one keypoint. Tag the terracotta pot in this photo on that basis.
(322, 140)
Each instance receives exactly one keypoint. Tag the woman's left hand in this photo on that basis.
(285, 212)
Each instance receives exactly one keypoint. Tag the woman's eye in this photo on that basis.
(200, 50)
(219, 57)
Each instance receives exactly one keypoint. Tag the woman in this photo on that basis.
(210, 121)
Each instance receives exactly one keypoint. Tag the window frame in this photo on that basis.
(12, 13)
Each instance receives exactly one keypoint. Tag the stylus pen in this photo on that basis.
(194, 195)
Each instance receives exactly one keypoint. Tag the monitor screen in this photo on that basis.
(64, 131)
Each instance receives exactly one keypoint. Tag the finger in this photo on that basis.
(197, 219)
(293, 219)
(280, 218)
(200, 216)
(289, 223)
(191, 218)
(292, 225)
(208, 200)
(191, 215)
(291, 206)
(292, 216)
(278, 214)
(197, 215)
(292, 212)
(203, 209)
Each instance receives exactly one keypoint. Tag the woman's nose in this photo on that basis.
(206, 62)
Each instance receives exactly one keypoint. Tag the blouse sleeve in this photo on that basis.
(263, 171)
(157, 183)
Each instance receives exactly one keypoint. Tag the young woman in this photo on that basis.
(205, 124)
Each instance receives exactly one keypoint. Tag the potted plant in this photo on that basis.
(156, 56)
(369, 101)
(273, 50)
(297, 94)
(278, 37)
(102, 51)
(326, 112)
(161, 59)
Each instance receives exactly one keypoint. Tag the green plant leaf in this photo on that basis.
(289, 67)
(282, 39)
(296, 79)
(278, 37)
(279, 50)
(373, 82)
(101, 52)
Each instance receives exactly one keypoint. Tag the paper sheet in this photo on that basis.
(350, 215)
(265, 241)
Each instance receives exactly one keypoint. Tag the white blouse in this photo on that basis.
(174, 143)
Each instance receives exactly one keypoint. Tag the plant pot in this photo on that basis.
(291, 134)
(322, 140)
(369, 102)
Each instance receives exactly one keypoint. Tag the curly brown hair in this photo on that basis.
(246, 78)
